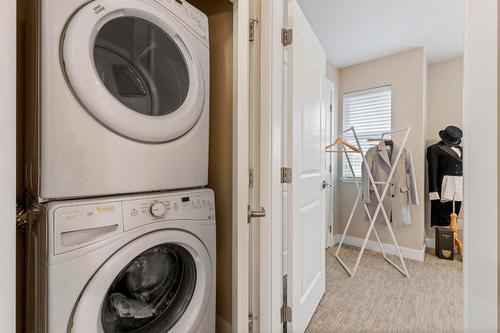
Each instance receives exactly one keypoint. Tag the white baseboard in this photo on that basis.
(413, 254)
(430, 243)
(223, 326)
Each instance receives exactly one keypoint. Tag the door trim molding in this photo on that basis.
(8, 165)
(331, 134)
(481, 184)
(241, 112)
(271, 288)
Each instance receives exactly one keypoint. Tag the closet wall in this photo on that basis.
(220, 16)
(220, 13)
(406, 73)
(444, 108)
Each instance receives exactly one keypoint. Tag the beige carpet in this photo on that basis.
(380, 299)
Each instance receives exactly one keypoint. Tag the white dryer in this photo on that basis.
(124, 264)
(120, 98)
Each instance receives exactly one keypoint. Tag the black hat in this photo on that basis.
(451, 135)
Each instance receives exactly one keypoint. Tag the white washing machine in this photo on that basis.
(119, 98)
(124, 264)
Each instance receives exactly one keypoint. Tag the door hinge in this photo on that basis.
(26, 216)
(331, 108)
(251, 319)
(286, 36)
(330, 228)
(285, 311)
(286, 175)
(286, 314)
(253, 21)
(250, 178)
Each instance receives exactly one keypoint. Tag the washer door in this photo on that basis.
(157, 283)
(133, 67)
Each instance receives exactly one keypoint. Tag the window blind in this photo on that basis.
(369, 112)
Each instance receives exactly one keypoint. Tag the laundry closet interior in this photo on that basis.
(172, 63)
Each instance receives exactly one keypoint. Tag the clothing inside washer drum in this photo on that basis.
(151, 293)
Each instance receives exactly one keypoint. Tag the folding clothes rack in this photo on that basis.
(380, 200)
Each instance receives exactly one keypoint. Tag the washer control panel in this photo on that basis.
(189, 206)
(188, 14)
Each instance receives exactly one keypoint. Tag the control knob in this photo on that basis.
(158, 209)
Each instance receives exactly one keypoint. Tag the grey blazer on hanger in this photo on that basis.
(402, 191)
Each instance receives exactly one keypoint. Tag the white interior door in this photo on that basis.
(306, 197)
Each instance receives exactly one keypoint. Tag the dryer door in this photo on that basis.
(134, 67)
(157, 283)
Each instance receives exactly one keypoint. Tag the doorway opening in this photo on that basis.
(387, 73)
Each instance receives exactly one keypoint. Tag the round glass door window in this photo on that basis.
(152, 293)
(141, 66)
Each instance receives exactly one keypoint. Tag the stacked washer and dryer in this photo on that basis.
(119, 116)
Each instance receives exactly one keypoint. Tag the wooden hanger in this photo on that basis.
(342, 141)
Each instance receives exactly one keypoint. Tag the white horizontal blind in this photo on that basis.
(369, 112)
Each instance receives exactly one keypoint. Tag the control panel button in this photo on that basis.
(158, 209)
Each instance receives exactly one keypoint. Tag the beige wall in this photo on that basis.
(444, 96)
(405, 72)
(220, 16)
(333, 74)
(221, 160)
(444, 107)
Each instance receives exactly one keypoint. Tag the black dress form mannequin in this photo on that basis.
(444, 161)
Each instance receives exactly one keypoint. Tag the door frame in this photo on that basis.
(240, 195)
(480, 290)
(331, 129)
(272, 108)
(481, 181)
(8, 166)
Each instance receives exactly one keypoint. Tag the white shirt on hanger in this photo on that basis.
(458, 151)
(452, 189)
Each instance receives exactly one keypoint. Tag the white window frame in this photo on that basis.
(345, 177)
